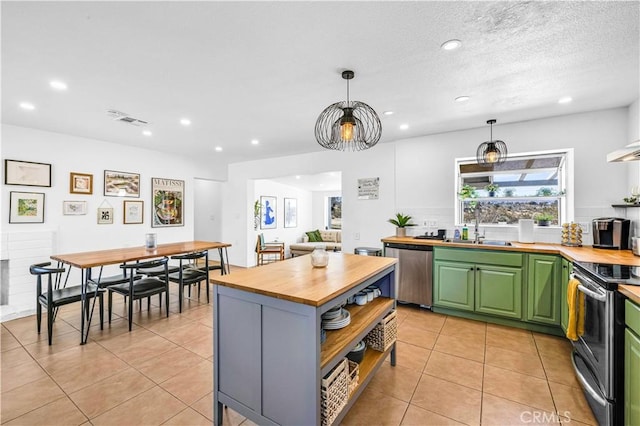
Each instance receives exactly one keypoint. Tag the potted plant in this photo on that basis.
(508, 192)
(544, 192)
(257, 208)
(544, 219)
(401, 221)
(492, 188)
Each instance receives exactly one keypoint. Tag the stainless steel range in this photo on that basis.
(598, 355)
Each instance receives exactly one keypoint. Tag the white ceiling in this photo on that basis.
(265, 70)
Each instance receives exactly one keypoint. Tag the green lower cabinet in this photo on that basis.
(567, 268)
(631, 378)
(499, 291)
(453, 285)
(543, 289)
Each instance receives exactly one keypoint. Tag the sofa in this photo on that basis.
(331, 240)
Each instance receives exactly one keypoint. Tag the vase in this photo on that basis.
(401, 232)
(319, 257)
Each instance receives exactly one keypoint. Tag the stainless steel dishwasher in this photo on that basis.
(415, 269)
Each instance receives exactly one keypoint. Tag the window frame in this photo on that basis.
(565, 185)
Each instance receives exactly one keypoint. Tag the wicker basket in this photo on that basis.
(384, 333)
(335, 392)
(353, 376)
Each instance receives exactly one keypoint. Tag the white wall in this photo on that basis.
(321, 208)
(208, 210)
(67, 154)
(633, 167)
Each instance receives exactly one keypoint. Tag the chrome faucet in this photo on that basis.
(476, 230)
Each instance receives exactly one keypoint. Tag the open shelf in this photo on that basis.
(362, 317)
(625, 205)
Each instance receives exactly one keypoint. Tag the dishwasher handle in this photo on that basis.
(417, 247)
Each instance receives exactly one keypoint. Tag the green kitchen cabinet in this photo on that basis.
(498, 290)
(567, 268)
(632, 364)
(543, 289)
(453, 285)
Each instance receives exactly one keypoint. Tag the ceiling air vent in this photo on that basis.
(126, 118)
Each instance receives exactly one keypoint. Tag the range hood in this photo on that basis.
(630, 152)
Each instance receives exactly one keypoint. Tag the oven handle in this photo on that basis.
(594, 295)
(585, 385)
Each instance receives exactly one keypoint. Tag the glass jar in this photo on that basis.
(319, 257)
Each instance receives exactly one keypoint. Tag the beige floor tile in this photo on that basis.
(102, 396)
(571, 403)
(202, 346)
(455, 369)
(464, 327)
(189, 417)
(14, 357)
(499, 411)
(152, 407)
(61, 411)
(7, 341)
(28, 397)
(192, 383)
(410, 356)
(117, 327)
(18, 375)
(204, 406)
(517, 387)
(520, 362)
(462, 346)
(398, 382)
(416, 416)
(137, 352)
(41, 348)
(187, 333)
(425, 321)
(511, 338)
(375, 408)
(168, 364)
(559, 368)
(25, 330)
(448, 399)
(416, 336)
(552, 345)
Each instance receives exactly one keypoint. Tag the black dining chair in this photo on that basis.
(58, 294)
(139, 287)
(191, 272)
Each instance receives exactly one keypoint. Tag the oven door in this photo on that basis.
(595, 345)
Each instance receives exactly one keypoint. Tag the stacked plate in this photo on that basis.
(336, 318)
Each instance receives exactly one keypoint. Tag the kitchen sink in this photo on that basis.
(481, 242)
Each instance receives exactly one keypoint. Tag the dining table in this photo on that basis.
(87, 260)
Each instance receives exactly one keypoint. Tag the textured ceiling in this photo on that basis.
(265, 70)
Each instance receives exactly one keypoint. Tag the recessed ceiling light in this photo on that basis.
(185, 121)
(27, 106)
(565, 100)
(147, 132)
(404, 126)
(255, 141)
(462, 98)
(218, 149)
(297, 176)
(451, 44)
(388, 113)
(58, 85)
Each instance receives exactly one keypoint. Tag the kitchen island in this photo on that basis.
(268, 357)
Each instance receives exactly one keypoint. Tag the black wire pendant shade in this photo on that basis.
(348, 125)
(492, 151)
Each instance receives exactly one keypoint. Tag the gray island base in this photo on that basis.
(268, 359)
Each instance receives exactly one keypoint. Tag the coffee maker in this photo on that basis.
(611, 233)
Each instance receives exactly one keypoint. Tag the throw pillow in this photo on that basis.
(318, 236)
(314, 236)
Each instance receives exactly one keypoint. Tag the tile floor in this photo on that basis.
(449, 371)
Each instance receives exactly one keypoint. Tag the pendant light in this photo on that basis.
(492, 151)
(348, 125)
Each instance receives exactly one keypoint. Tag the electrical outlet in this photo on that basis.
(356, 236)
(424, 222)
(433, 223)
(584, 226)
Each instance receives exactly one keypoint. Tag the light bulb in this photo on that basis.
(491, 156)
(346, 131)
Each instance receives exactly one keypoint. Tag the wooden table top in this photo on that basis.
(92, 259)
(297, 281)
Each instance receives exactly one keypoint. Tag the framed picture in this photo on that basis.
(290, 213)
(167, 208)
(74, 208)
(268, 219)
(121, 184)
(26, 207)
(80, 183)
(27, 173)
(105, 215)
(133, 212)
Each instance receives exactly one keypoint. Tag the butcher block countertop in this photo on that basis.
(577, 254)
(297, 281)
